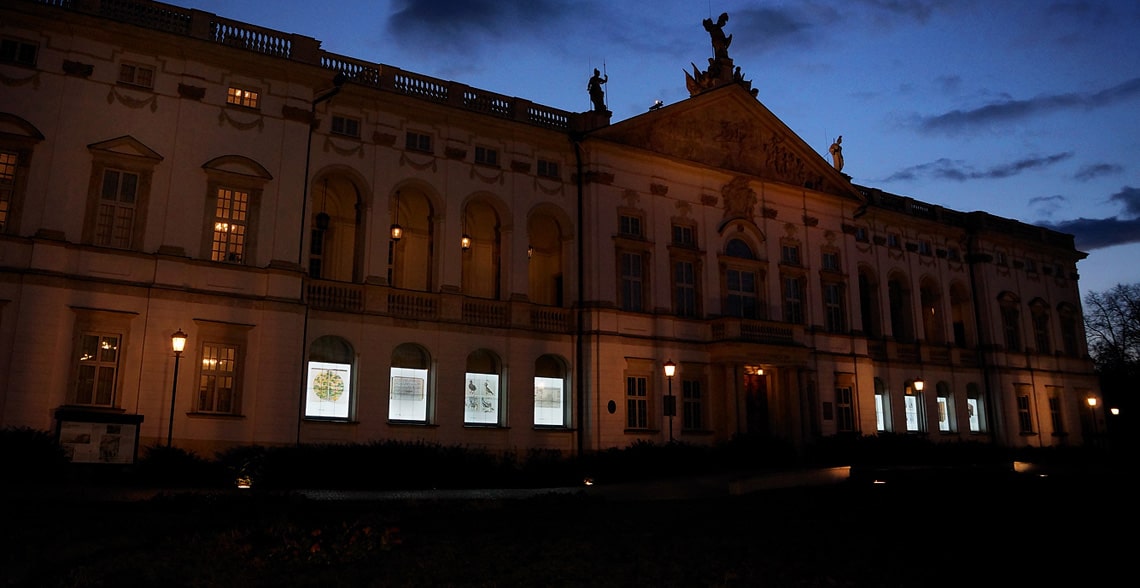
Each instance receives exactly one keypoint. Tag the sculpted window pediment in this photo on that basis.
(126, 146)
(237, 164)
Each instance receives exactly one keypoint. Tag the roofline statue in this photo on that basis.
(720, 42)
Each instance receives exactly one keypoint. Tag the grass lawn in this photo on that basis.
(901, 534)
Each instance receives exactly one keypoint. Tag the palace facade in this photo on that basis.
(353, 252)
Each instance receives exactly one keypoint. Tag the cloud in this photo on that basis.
(1093, 171)
(456, 23)
(1009, 110)
(1047, 205)
(1092, 233)
(949, 169)
(767, 28)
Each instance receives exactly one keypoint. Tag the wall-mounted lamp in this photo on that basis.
(396, 230)
(465, 241)
(529, 251)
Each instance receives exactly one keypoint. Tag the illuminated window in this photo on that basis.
(914, 409)
(230, 224)
(98, 369)
(242, 97)
(482, 396)
(975, 409)
(408, 393)
(217, 382)
(637, 402)
(882, 407)
(328, 384)
(947, 419)
(551, 406)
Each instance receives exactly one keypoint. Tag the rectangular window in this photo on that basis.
(414, 141)
(1030, 266)
(953, 254)
(216, 391)
(684, 236)
(18, 52)
(790, 254)
(740, 294)
(685, 288)
(844, 410)
(242, 97)
(8, 162)
(893, 241)
(692, 405)
(230, 218)
(345, 125)
(1011, 326)
(924, 248)
(861, 234)
(1041, 332)
(1056, 413)
(548, 169)
(136, 75)
(115, 221)
(632, 282)
(999, 258)
(549, 407)
(486, 156)
(880, 412)
(1024, 416)
(630, 225)
(974, 409)
(833, 308)
(481, 399)
(829, 261)
(793, 301)
(97, 378)
(637, 402)
(407, 398)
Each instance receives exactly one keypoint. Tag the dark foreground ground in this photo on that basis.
(943, 530)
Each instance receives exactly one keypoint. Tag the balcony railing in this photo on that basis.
(302, 49)
(736, 329)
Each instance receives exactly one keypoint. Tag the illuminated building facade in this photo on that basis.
(357, 253)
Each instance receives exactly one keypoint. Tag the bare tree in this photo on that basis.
(1112, 325)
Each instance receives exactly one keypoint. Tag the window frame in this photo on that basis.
(408, 363)
(344, 125)
(133, 79)
(244, 97)
(98, 322)
(17, 45)
(637, 400)
(419, 142)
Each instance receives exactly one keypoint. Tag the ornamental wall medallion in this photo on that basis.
(739, 198)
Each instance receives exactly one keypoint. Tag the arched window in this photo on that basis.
(1042, 334)
(975, 409)
(409, 398)
(551, 398)
(1010, 320)
(481, 257)
(947, 419)
(882, 407)
(336, 241)
(544, 260)
(411, 262)
(482, 397)
(329, 387)
(961, 314)
(902, 323)
(1067, 316)
(931, 298)
(869, 303)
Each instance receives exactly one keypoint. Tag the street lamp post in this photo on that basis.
(1092, 413)
(670, 400)
(178, 343)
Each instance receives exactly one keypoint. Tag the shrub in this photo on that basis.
(32, 456)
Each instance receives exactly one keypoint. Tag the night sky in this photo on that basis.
(1027, 109)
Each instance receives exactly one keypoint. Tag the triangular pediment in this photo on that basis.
(126, 145)
(727, 128)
